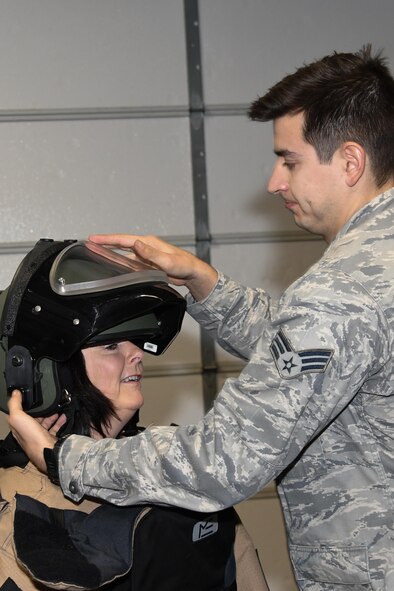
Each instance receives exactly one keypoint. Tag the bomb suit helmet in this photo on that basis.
(67, 295)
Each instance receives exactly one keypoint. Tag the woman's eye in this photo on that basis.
(111, 347)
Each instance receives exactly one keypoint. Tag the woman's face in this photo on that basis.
(116, 370)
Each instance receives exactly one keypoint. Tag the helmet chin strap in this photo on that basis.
(74, 424)
(131, 427)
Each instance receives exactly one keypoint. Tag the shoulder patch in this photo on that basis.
(291, 363)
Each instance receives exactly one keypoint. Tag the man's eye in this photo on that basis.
(289, 165)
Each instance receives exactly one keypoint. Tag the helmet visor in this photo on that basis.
(143, 331)
(85, 267)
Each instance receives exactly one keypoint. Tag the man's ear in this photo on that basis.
(355, 159)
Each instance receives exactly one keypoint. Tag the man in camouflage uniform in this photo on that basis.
(314, 405)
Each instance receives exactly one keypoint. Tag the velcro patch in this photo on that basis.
(291, 363)
(203, 529)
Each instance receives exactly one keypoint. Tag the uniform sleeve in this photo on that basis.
(234, 315)
(324, 341)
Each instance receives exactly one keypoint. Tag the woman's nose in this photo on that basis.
(133, 353)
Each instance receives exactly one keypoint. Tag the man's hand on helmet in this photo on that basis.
(32, 436)
(181, 267)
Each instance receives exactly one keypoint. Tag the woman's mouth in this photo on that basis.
(133, 378)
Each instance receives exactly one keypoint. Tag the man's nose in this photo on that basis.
(278, 181)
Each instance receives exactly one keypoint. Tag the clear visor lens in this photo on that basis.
(85, 267)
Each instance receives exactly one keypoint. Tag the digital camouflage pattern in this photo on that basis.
(313, 407)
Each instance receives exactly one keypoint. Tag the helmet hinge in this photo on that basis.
(19, 374)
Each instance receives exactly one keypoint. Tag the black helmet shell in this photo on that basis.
(41, 329)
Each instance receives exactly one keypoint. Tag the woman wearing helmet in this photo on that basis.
(94, 377)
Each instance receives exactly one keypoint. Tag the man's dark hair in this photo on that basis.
(344, 97)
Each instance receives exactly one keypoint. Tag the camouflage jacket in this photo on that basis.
(314, 407)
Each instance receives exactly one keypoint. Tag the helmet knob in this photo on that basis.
(17, 360)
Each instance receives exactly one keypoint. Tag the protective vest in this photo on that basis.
(126, 548)
(121, 548)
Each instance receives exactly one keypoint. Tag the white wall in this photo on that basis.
(94, 136)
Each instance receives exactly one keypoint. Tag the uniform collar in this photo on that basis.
(374, 207)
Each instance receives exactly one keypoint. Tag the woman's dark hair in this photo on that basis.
(344, 97)
(88, 408)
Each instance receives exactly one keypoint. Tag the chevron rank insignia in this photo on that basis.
(291, 363)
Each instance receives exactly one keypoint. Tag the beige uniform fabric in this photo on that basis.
(250, 576)
(26, 481)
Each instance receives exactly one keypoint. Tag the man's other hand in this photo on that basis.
(28, 432)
